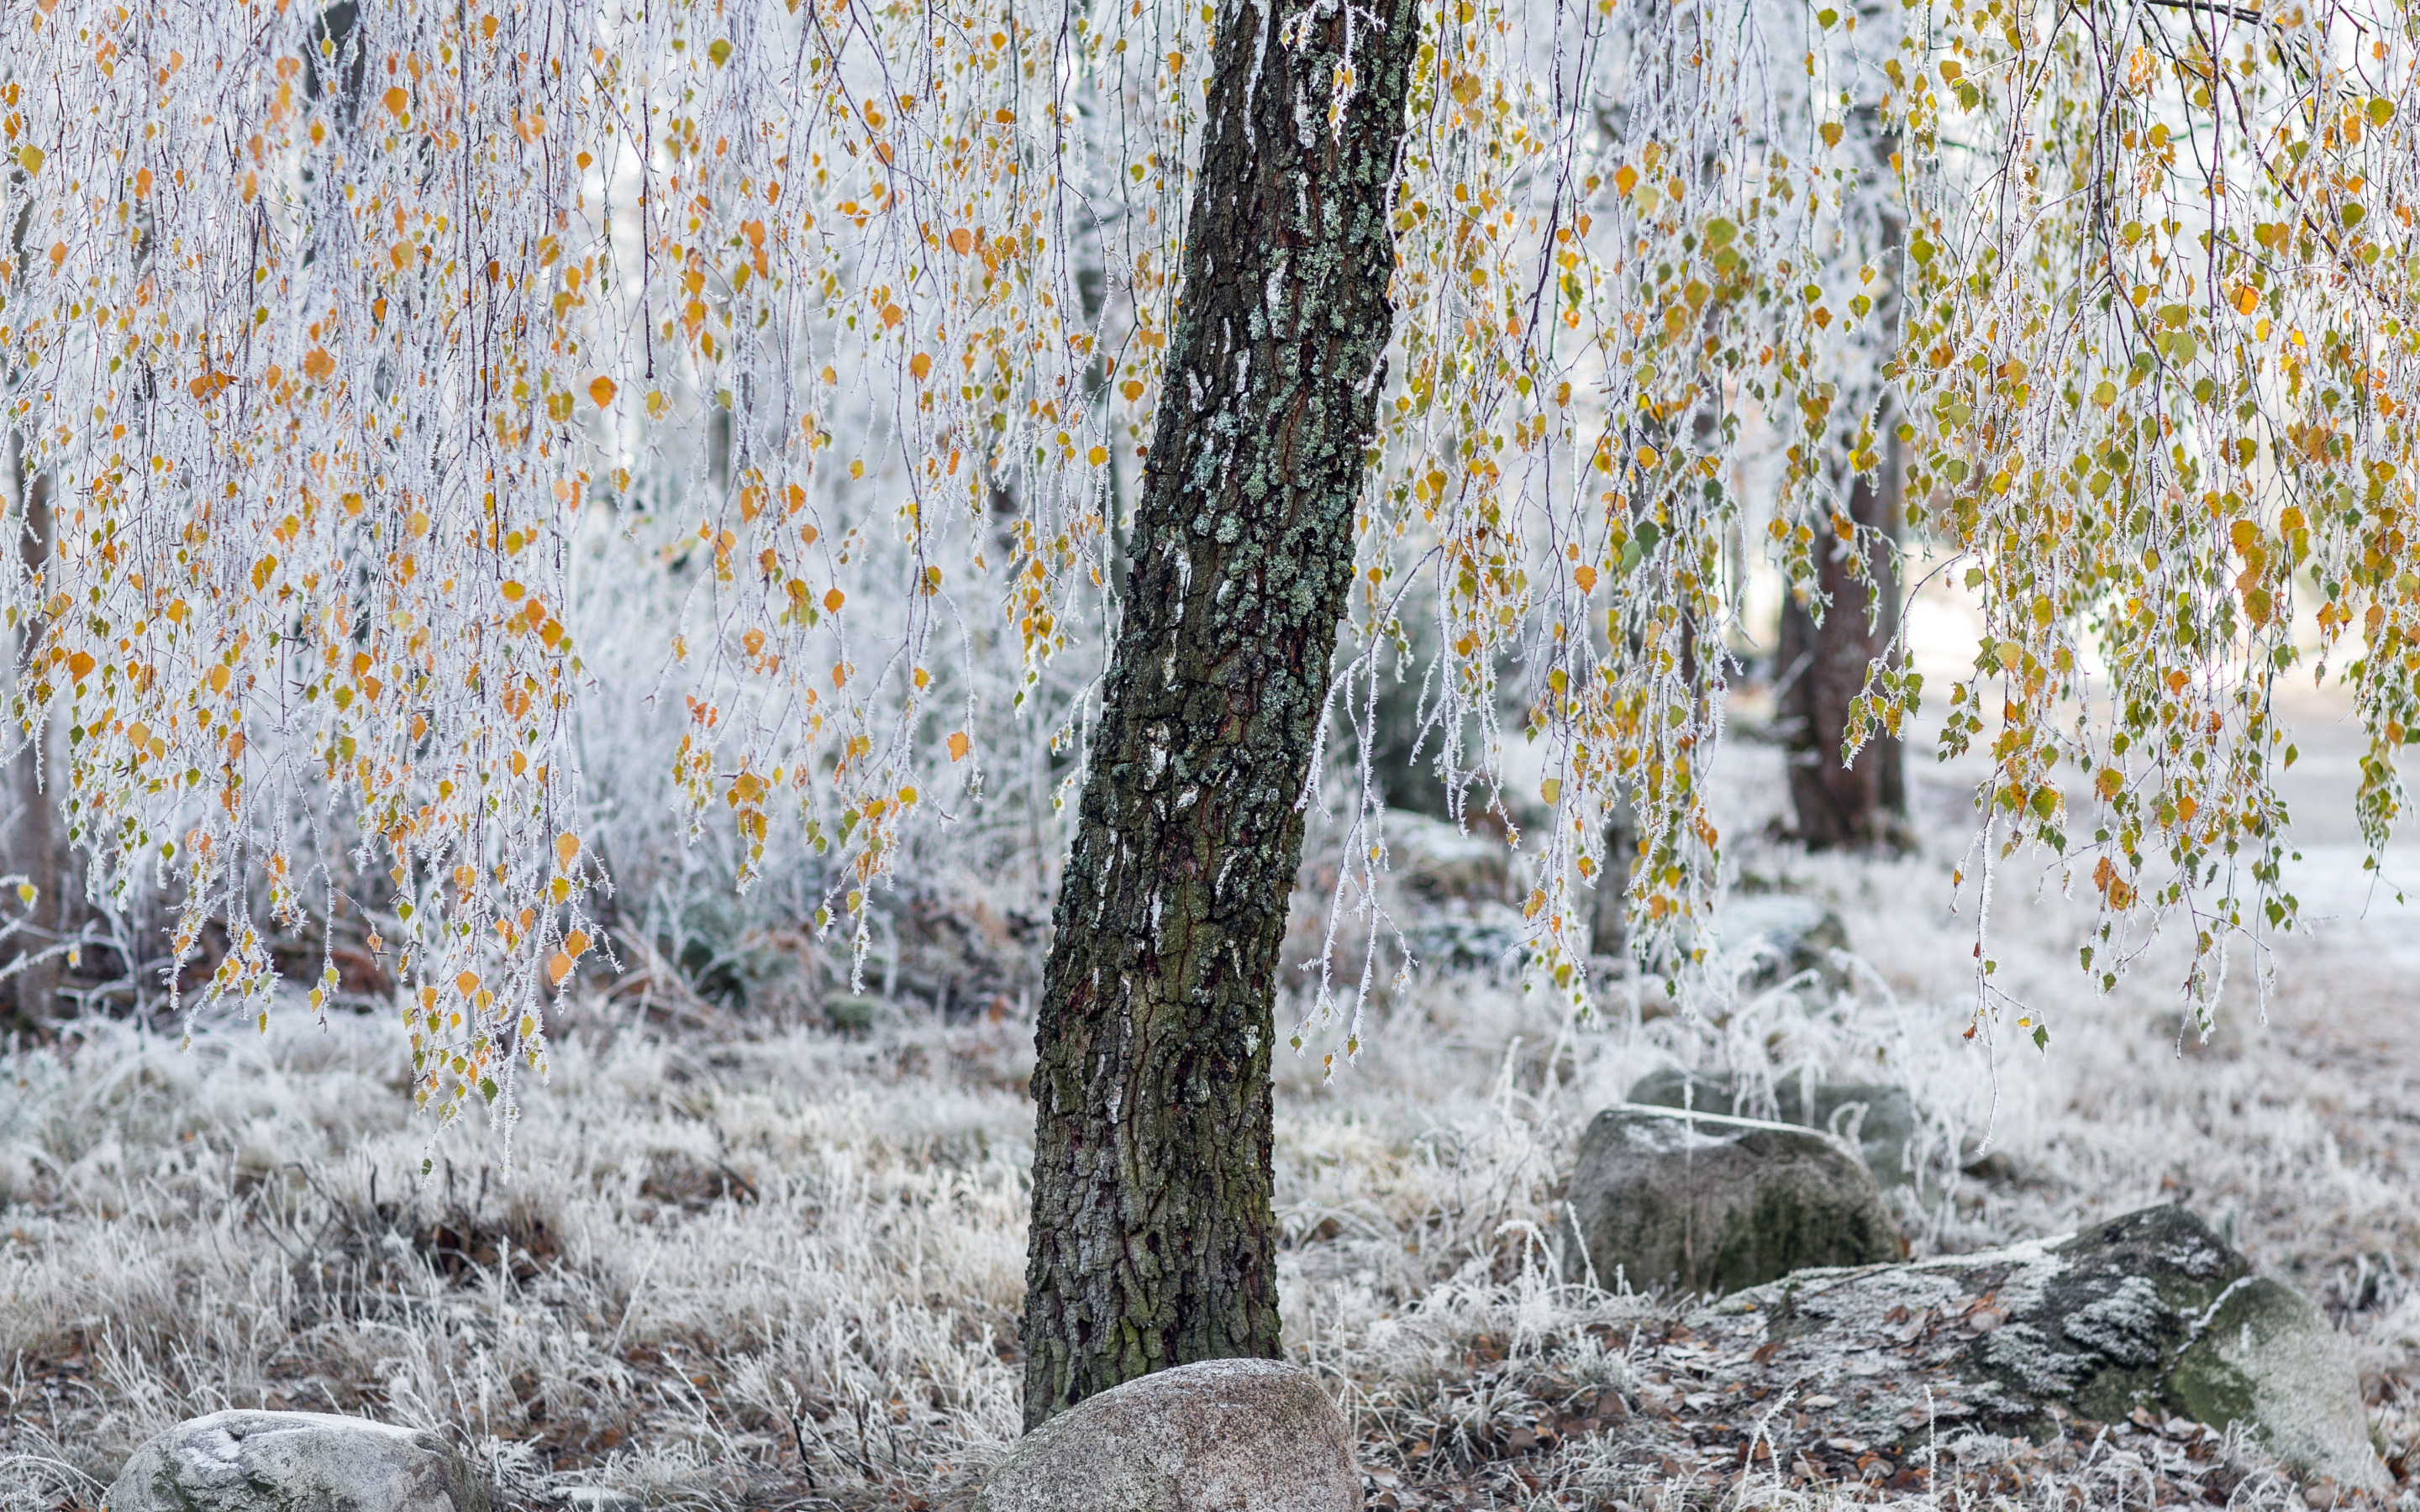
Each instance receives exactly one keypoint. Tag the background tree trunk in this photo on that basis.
(1824, 668)
(1153, 1241)
(32, 838)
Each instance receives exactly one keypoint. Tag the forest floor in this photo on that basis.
(778, 1267)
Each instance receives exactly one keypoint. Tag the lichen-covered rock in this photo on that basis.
(1220, 1436)
(1706, 1203)
(1878, 1117)
(244, 1461)
(2146, 1313)
(2264, 1356)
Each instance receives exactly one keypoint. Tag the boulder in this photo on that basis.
(2146, 1315)
(1436, 863)
(1220, 1436)
(244, 1461)
(1703, 1202)
(1878, 1117)
(1770, 937)
(2263, 1356)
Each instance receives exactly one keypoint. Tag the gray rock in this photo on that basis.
(1220, 1436)
(2265, 1357)
(2145, 1312)
(1770, 937)
(1467, 936)
(1707, 1203)
(242, 1461)
(1437, 863)
(1881, 1115)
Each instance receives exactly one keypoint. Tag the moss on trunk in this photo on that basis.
(1153, 1242)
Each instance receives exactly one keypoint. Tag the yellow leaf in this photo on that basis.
(1586, 578)
(31, 156)
(834, 599)
(1831, 133)
(318, 365)
(602, 392)
(920, 365)
(567, 849)
(79, 664)
(2247, 300)
(467, 983)
(1098, 455)
(395, 99)
(1551, 789)
(1625, 179)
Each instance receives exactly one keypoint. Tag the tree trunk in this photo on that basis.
(1824, 668)
(1153, 1242)
(33, 836)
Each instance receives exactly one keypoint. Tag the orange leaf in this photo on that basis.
(467, 983)
(395, 99)
(567, 849)
(557, 967)
(962, 241)
(959, 745)
(602, 392)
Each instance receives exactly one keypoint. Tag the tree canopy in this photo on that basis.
(336, 331)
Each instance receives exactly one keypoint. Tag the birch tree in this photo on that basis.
(337, 337)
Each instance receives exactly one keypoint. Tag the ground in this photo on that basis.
(749, 1264)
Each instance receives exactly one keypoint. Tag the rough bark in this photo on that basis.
(1153, 1242)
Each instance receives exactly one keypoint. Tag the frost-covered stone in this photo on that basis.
(1878, 1117)
(2264, 1356)
(244, 1461)
(2148, 1313)
(1769, 937)
(1220, 1436)
(1438, 862)
(1709, 1203)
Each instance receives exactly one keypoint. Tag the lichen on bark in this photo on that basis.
(1153, 1242)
